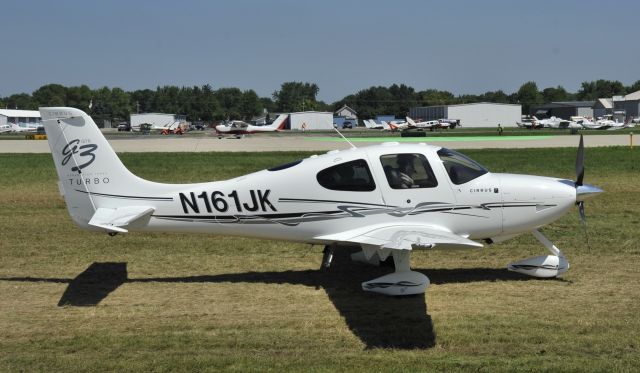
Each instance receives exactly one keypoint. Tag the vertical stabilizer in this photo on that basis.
(86, 164)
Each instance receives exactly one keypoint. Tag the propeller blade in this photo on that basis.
(583, 217)
(580, 163)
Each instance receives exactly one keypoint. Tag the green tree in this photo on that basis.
(323, 106)
(634, 87)
(432, 97)
(79, 97)
(50, 95)
(142, 101)
(21, 101)
(590, 91)
(268, 104)
(296, 96)
(207, 104)
(403, 97)
(557, 94)
(494, 96)
(111, 104)
(370, 102)
(250, 105)
(528, 96)
(230, 100)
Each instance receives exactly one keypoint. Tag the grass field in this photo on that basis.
(80, 301)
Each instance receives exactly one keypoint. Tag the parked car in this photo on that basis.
(124, 127)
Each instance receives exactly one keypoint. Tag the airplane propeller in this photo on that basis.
(580, 178)
(583, 191)
(580, 163)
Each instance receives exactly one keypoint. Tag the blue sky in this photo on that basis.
(343, 46)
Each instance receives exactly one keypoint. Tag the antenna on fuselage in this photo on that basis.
(345, 139)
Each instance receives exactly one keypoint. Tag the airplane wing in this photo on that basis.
(400, 237)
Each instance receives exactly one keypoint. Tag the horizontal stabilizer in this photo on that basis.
(400, 237)
(114, 219)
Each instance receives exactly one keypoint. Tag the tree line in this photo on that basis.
(207, 104)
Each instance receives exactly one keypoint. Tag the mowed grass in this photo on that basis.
(79, 301)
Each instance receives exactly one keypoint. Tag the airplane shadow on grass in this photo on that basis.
(379, 321)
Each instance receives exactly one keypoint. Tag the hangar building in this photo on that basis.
(628, 106)
(564, 109)
(480, 114)
(310, 120)
(22, 118)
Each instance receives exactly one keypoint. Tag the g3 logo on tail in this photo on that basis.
(84, 150)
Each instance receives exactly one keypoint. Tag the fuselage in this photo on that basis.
(306, 199)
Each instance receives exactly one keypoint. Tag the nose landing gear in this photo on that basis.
(544, 266)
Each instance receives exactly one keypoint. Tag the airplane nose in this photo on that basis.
(586, 191)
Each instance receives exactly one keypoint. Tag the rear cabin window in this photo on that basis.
(353, 176)
(408, 171)
(461, 169)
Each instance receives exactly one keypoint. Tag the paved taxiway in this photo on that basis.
(319, 143)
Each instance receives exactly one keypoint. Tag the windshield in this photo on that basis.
(461, 169)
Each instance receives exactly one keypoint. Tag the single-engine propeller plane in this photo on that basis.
(239, 128)
(389, 199)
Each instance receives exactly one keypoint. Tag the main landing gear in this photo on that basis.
(403, 281)
(544, 266)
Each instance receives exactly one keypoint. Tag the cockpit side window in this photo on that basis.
(461, 169)
(408, 170)
(353, 176)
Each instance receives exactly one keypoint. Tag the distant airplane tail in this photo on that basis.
(389, 126)
(92, 178)
(411, 122)
(280, 122)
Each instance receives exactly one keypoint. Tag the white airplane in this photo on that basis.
(603, 123)
(394, 125)
(372, 125)
(239, 128)
(389, 199)
(429, 124)
(25, 127)
(5, 128)
(555, 122)
(529, 122)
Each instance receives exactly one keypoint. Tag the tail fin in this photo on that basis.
(88, 168)
(411, 122)
(389, 126)
(280, 122)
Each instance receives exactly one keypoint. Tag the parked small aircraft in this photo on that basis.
(239, 128)
(429, 124)
(389, 199)
(25, 127)
(372, 125)
(529, 122)
(5, 128)
(555, 122)
(395, 125)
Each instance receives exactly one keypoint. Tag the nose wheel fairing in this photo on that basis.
(544, 266)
